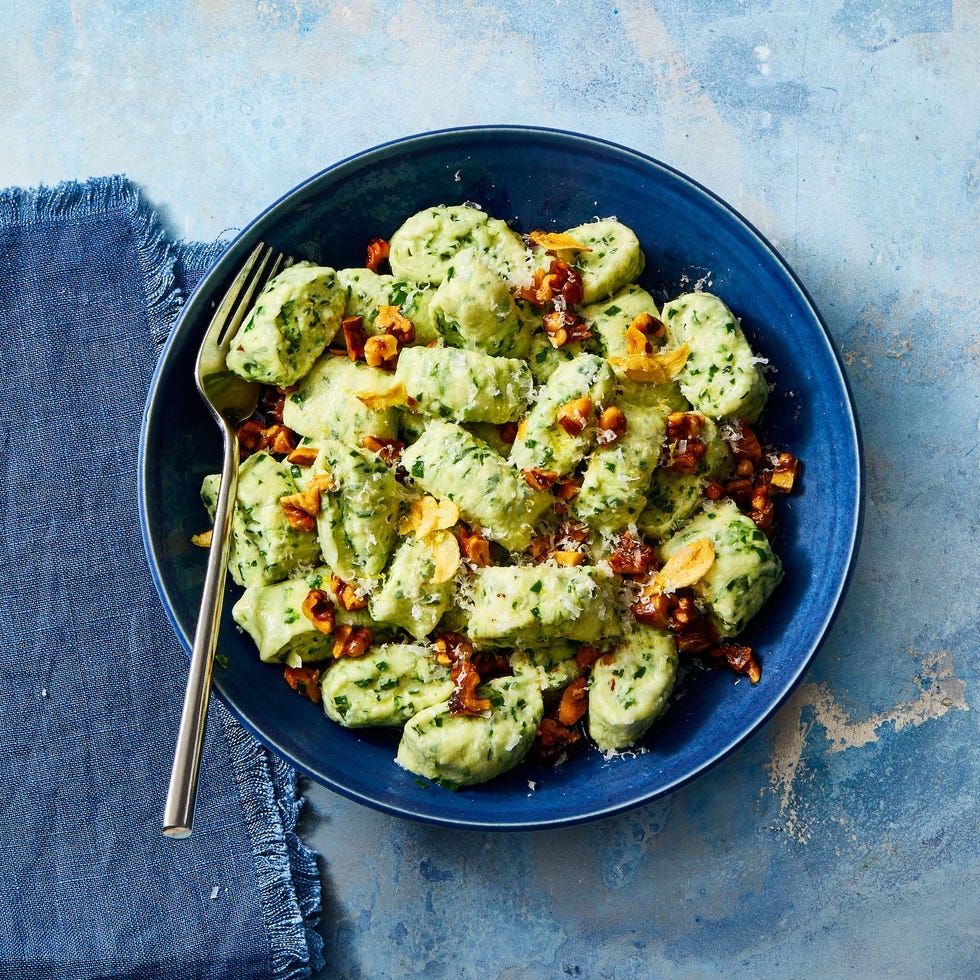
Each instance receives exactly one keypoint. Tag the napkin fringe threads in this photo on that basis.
(287, 871)
(76, 200)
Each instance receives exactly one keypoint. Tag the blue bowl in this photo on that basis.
(534, 178)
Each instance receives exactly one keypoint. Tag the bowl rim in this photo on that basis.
(249, 235)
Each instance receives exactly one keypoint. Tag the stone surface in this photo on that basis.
(842, 839)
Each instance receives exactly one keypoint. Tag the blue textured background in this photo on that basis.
(843, 838)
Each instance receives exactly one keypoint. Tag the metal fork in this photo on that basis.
(231, 400)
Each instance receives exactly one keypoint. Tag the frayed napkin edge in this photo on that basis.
(157, 255)
(288, 877)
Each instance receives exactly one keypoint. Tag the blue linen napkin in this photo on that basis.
(91, 676)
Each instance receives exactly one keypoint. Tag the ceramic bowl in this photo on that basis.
(546, 179)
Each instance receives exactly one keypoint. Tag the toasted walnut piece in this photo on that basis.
(631, 556)
(648, 324)
(348, 596)
(684, 425)
(390, 319)
(586, 657)
(570, 534)
(784, 473)
(427, 514)
(564, 328)
(319, 610)
(351, 641)
(762, 511)
(276, 438)
(444, 550)
(696, 640)
(739, 490)
(377, 252)
(475, 547)
(540, 479)
(569, 559)
(578, 330)
(553, 742)
(203, 540)
(353, 328)
(298, 519)
(574, 416)
(282, 440)
(564, 492)
(554, 327)
(463, 700)
(450, 648)
(684, 455)
(303, 455)
(574, 702)
(538, 292)
(713, 490)
(381, 351)
(324, 482)
(759, 496)
(742, 441)
(573, 292)
(554, 241)
(611, 425)
(652, 609)
(657, 367)
(539, 549)
(686, 566)
(389, 451)
(251, 437)
(564, 281)
(692, 631)
(393, 397)
(307, 501)
(740, 659)
(305, 681)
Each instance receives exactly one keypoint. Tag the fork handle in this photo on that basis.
(178, 813)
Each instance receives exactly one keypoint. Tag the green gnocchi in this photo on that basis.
(485, 537)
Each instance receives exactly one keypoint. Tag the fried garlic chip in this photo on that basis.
(394, 396)
(686, 566)
(557, 241)
(444, 549)
(427, 515)
(658, 367)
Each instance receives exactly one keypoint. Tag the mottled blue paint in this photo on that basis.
(874, 24)
(846, 131)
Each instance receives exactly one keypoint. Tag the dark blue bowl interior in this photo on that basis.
(535, 179)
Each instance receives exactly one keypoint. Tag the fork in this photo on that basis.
(231, 400)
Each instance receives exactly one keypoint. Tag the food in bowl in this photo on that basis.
(494, 495)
